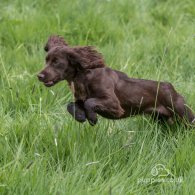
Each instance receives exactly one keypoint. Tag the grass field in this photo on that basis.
(43, 150)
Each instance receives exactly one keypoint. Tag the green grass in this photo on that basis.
(42, 149)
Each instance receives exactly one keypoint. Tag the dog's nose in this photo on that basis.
(41, 76)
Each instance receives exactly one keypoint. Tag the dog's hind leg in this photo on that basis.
(183, 110)
(176, 104)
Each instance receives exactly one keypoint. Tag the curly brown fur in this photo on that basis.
(85, 57)
(53, 41)
(110, 93)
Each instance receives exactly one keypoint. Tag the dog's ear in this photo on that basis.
(53, 41)
(85, 57)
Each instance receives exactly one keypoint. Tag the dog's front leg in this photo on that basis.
(109, 108)
(76, 109)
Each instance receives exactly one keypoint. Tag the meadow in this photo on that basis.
(43, 150)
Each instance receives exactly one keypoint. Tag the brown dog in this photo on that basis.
(109, 93)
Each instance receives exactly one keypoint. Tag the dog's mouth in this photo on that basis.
(49, 83)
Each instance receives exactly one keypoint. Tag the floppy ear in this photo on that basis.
(85, 57)
(53, 41)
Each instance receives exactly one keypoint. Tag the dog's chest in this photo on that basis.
(79, 90)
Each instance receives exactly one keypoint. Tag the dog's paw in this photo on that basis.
(92, 122)
(92, 118)
(77, 112)
(80, 117)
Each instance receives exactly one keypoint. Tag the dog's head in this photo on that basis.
(63, 62)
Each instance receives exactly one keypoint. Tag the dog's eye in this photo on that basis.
(54, 62)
